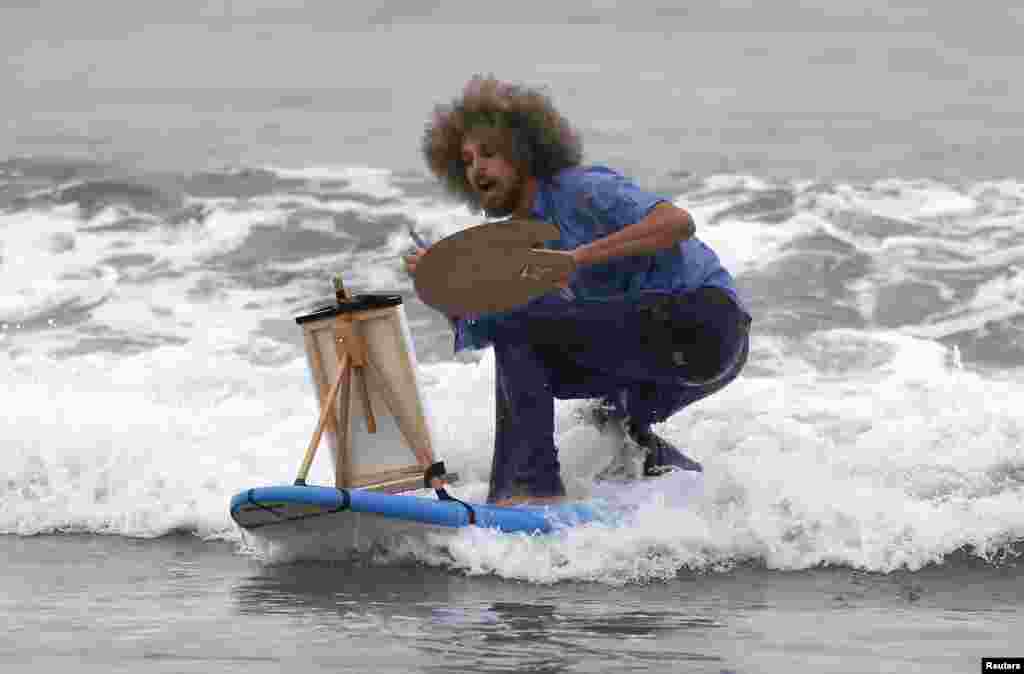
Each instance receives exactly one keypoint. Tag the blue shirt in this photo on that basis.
(589, 203)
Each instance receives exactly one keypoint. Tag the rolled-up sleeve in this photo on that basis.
(613, 201)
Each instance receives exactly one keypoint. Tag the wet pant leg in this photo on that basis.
(652, 358)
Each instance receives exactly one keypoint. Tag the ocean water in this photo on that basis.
(177, 183)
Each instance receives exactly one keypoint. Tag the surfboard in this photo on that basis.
(275, 506)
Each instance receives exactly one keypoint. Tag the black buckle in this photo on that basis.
(436, 470)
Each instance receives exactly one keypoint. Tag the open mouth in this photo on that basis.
(485, 186)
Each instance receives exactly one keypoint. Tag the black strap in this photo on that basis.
(437, 470)
(443, 495)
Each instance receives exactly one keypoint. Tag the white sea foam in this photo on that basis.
(896, 464)
(899, 198)
(45, 266)
(372, 181)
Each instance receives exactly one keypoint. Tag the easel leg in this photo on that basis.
(364, 390)
(325, 413)
(343, 440)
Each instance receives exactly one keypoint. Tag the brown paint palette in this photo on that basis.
(491, 267)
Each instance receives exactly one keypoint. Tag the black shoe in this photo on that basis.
(662, 456)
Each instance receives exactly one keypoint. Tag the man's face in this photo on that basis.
(497, 182)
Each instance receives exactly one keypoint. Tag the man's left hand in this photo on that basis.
(561, 275)
(565, 279)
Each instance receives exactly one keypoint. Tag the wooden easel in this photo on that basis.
(393, 380)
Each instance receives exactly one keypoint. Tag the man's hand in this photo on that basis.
(564, 276)
(577, 263)
(412, 260)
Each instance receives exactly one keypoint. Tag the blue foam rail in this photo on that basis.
(263, 506)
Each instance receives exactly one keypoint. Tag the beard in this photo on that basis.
(504, 198)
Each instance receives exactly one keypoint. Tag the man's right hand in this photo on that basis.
(410, 267)
(412, 260)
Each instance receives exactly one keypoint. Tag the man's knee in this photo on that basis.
(701, 339)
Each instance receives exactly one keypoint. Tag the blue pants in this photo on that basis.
(650, 358)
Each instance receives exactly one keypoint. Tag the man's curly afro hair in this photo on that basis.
(536, 137)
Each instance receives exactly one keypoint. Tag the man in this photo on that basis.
(654, 322)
